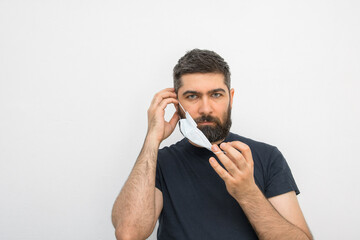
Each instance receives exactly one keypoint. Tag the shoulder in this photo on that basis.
(172, 150)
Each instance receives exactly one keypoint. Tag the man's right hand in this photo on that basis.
(158, 128)
(137, 208)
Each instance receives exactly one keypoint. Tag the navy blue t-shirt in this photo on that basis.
(196, 204)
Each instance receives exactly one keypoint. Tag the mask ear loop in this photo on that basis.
(182, 107)
(180, 121)
(183, 134)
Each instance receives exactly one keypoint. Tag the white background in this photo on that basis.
(77, 77)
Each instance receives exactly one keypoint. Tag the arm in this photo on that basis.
(139, 203)
(288, 206)
(267, 222)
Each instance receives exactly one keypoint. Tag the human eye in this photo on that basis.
(191, 96)
(216, 95)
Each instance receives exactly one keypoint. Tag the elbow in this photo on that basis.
(128, 230)
(124, 233)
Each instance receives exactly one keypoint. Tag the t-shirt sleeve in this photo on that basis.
(158, 176)
(280, 178)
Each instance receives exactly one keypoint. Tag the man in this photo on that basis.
(241, 189)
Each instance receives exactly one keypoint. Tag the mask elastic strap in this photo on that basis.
(182, 107)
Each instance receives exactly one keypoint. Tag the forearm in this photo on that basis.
(266, 221)
(134, 209)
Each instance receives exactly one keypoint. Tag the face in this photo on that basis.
(208, 100)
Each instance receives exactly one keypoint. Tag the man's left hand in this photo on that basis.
(239, 164)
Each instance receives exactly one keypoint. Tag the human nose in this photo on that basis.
(205, 107)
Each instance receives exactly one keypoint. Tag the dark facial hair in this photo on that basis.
(217, 132)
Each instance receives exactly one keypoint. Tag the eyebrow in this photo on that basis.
(217, 90)
(209, 92)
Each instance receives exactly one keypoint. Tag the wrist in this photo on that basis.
(250, 195)
(152, 139)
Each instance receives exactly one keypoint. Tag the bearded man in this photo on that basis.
(237, 188)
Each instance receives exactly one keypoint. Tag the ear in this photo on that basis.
(232, 91)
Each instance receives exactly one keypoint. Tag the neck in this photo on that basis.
(217, 142)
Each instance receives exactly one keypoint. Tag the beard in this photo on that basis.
(217, 132)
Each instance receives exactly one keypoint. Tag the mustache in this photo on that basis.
(207, 118)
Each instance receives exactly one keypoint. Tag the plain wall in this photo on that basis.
(77, 77)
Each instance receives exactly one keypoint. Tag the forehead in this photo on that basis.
(202, 82)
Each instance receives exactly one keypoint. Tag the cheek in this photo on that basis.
(225, 115)
(193, 109)
(220, 116)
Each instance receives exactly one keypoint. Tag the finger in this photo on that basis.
(245, 150)
(237, 158)
(166, 102)
(228, 164)
(219, 170)
(161, 103)
(160, 97)
(166, 93)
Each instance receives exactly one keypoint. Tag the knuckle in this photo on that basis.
(224, 176)
(232, 182)
(159, 95)
(225, 160)
(225, 146)
(221, 173)
(246, 147)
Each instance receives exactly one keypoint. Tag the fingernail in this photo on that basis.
(215, 148)
(222, 145)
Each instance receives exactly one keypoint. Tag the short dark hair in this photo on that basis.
(200, 61)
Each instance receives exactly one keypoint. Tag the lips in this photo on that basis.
(206, 123)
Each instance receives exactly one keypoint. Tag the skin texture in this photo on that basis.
(264, 216)
(205, 94)
(139, 203)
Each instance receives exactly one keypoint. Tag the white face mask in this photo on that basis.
(188, 128)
